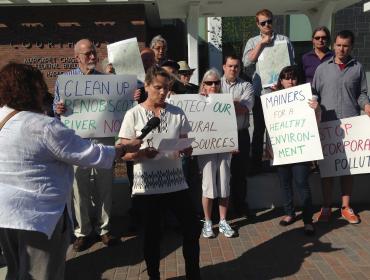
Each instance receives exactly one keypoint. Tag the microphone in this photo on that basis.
(150, 125)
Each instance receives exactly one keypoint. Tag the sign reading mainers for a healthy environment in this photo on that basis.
(291, 124)
(96, 104)
(346, 146)
(212, 120)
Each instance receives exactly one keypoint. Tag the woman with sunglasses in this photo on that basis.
(215, 170)
(297, 172)
(319, 54)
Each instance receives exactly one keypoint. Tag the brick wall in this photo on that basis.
(45, 36)
(353, 18)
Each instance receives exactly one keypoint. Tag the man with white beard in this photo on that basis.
(85, 54)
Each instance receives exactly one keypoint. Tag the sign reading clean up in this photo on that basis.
(212, 120)
(346, 146)
(291, 125)
(96, 104)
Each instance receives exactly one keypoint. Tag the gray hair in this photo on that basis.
(156, 39)
(210, 72)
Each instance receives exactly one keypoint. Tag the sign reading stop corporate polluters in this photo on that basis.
(96, 104)
(292, 125)
(346, 146)
(212, 120)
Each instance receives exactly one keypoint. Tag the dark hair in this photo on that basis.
(325, 29)
(346, 34)
(264, 12)
(288, 72)
(231, 56)
(155, 71)
(22, 87)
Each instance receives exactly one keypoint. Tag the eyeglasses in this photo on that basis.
(160, 48)
(324, 38)
(93, 52)
(263, 23)
(209, 83)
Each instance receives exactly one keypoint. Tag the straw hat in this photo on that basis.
(184, 67)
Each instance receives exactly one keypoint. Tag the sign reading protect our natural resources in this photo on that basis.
(292, 125)
(212, 120)
(96, 104)
(346, 146)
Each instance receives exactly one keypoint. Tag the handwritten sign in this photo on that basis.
(96, 104)
(212, 120)
(126, 59)
(291, 125)
(271, 61)
(346, 146)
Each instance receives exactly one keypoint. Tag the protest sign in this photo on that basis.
(212, 120)
(271, 61)
(346, 146)
(96, 104)
(126, 59)
(291, 125)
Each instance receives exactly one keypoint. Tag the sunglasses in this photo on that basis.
(209, 83)
(320, 37)
(263, 23)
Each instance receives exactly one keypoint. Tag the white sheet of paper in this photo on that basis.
(174, 145)
(126, 59)
(271, 61)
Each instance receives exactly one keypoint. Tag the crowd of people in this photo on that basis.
(44, 166)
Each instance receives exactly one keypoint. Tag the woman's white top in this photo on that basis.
(36, 173)
(165, 174)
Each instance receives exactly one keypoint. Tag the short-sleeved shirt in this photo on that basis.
(251, 44)
(163, 175)
(343, 93)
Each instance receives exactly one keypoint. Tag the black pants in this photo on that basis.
(152, 208)
(258, 133)
(239, 167)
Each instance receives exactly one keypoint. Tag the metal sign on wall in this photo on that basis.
(45, 36)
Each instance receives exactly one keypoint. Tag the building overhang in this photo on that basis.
(170, 9)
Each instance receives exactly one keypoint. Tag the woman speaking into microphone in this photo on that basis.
(159, 182)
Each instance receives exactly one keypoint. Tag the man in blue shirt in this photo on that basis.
(85, 54)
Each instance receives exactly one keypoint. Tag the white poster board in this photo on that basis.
(346, 146)
(126, 59)
(96, 104)
(212, 120)
(291, 125)
(271, 61)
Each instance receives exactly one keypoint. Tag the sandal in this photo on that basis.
(287, 220)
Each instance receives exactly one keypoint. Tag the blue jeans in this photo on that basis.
(299, 172)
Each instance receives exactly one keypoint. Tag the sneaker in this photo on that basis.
(207, 230)
(324, 215)
(349, 215)
(225, 228)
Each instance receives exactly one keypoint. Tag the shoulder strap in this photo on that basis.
(8, 117)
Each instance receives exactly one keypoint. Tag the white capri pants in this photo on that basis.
(216, 174)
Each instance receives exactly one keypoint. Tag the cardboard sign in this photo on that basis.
(346, 146)
(96, 104)
(126, 59)
(212, 120)
(271, 61)
(291, 125)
